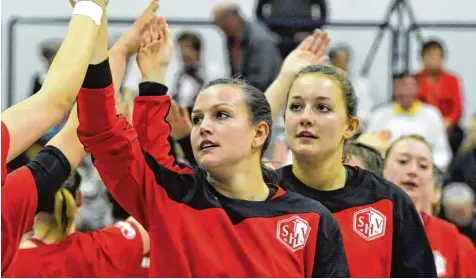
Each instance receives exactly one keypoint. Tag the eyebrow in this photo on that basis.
(319, 98)
(213, 107)
(418, 157)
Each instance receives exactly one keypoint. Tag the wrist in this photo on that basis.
(158, 75)
(286, 77)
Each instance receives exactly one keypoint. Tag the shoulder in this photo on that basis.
(444, 226)
(451, 75)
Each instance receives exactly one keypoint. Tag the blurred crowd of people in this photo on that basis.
(415, 141)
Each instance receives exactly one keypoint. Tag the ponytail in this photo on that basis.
(65, 210)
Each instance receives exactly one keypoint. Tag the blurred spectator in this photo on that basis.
(408, 116)
(96, 212)
(193, 73)
(442, 89)
(458, 203)
(295, 10)
(252, 50)
(341, 56)
(463, 168)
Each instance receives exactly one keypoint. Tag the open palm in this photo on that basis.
(313, 50)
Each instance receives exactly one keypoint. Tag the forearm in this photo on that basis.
(118, 63)
(68, 142)
(277, 93)
(67, 71)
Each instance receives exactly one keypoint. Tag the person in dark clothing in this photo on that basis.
(178, 206)
(252, 51)
(274, 12)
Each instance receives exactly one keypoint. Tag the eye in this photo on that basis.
(423, 166)
(295, 107)
(323, 108)
(402, 161)
(196, 119)
(222, 115)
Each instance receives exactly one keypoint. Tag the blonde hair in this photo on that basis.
(64, 210)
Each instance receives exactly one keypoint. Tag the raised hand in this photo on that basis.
(155, 51)
(129, 43)
(179, 120)
(311, 51)
(124, 103)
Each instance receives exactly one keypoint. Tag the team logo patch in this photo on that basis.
(126, 229)
(293, 232)
(440, 263)
(369, 223)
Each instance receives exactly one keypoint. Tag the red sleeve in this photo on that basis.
(19, 204)
(142, 190)
(149, 120)
(116, 248)
(466, 266)
(5, 148)
(455, 93)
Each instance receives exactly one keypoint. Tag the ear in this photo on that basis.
(79, 200)
(353, 125)
(260, 135)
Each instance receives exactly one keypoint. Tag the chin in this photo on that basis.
(210, 162)
(304, 150)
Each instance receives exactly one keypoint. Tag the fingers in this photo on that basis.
(154, 30)
(323, 45)
(318, 36)
(164, 28)
(153, 6)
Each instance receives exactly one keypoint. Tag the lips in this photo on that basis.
(207, 144)
(306, 134)
(409, 184)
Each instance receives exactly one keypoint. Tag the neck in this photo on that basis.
(239, 32)
(420, 206)
(244, 182)
(45, 230)
(325, 173)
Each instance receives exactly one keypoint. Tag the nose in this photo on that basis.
(205, 127)
(413, 169)
(306, 118)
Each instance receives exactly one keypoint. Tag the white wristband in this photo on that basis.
(89, 9)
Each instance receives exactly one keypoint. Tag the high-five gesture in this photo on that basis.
(156, 51)
(313, 50)
(129, 42)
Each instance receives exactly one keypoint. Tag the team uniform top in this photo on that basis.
(26, 191)
(382, 231)
(453, 252)
(194, 230)
(102, 253)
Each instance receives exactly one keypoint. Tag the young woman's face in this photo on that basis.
(316, 117)
(409, 165)
(222, 133)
